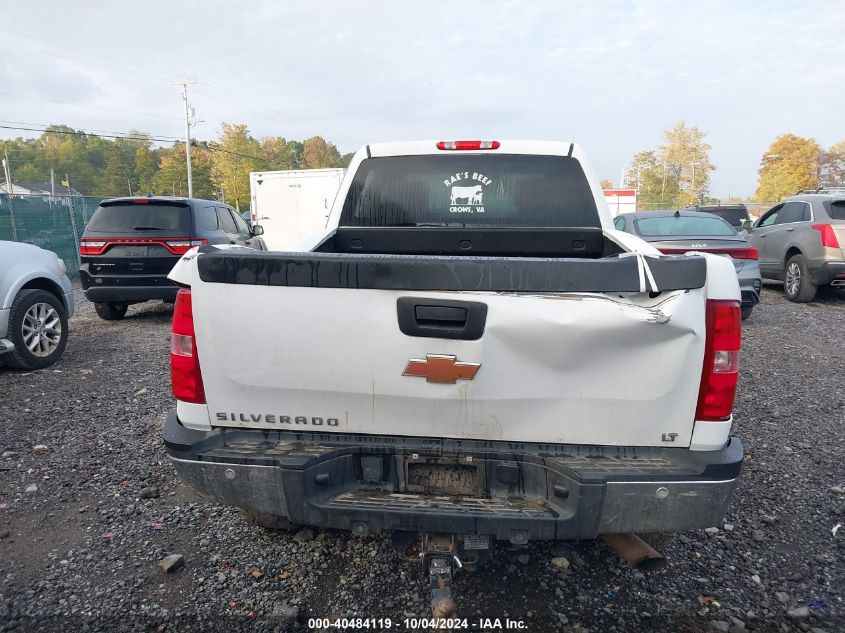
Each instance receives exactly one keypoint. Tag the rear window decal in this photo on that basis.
(466, 194)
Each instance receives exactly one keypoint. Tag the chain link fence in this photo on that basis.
(54, 223)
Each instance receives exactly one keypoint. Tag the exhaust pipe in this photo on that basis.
(838, 283)
(635, 551)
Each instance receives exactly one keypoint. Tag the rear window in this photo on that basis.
(836, 209)
(683, 225)
(733, 216)
(164, 220)
(470, 190)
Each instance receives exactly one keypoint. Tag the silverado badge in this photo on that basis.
(441, 368)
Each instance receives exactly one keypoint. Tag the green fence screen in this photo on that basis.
(48, 222)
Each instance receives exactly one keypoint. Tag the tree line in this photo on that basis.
(676, 174)
(138, 164)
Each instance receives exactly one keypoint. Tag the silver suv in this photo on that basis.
(800, 242)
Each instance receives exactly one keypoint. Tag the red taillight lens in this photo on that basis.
(720, 372)
(828, 236)
(736, 253)
(180, 247)
(185, 376)
(92, 247)
(459, 145)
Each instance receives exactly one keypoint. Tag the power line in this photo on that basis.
(209, 145)
(256, 104)
(137, 137)
(80, 105)
(160, 73)
(94, 130)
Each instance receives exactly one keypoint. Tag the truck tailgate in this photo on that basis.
(577, 367)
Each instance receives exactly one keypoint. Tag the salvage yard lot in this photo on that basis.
(84, 522)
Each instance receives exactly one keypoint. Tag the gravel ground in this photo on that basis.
(85, 522)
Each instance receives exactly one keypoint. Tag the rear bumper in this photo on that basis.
(828, 272)
(526, 491)
(130, 288)
(750, 283)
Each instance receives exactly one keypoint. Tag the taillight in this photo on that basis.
(459, 145)
(828, 236)
(180, 247)
(92, 247)
(720, 372)
(736, 253)
(185, 376)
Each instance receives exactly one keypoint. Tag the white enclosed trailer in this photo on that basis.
(292, 204)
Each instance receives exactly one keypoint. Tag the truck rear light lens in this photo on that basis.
(92, 247)
(720, 373)
(185, 375)
(828, 236)
(462, 145)
(180, 247)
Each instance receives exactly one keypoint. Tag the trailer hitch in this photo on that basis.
(438, 560)
(442, 555)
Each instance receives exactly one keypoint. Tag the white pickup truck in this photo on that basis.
(468, 353)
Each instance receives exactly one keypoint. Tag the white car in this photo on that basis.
(468, 353)
(36, 301)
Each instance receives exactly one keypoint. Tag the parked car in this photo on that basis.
(130, 244)
(673, 232)
(802, 243)
(36, 301)
(470, 354)
(734, 214)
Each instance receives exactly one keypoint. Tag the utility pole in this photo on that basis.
(9, 189)
(189, 113)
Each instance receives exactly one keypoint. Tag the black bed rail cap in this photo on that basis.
(446, 273)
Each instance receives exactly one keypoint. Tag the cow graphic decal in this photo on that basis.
(466, 192)
(466, 195)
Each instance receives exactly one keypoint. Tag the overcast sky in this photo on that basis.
(610, 75)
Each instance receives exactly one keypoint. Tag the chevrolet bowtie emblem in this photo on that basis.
(441, 368)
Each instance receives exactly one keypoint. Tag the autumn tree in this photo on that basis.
(789, 165)
(317, 153)
(606, 184)
(676, 174)
(832, 166)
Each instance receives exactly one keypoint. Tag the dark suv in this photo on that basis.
(734, 214)
(130, 245)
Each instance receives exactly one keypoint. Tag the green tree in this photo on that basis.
(676, 174)
(282, 154)
(656, 189)
(832, 166)
(789, 165)
(232, 158)
(171, 177)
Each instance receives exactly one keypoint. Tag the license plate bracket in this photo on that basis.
(444, 476)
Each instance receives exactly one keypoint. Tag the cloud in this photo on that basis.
(611, 74)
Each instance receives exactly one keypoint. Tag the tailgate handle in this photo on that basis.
(441, 318)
